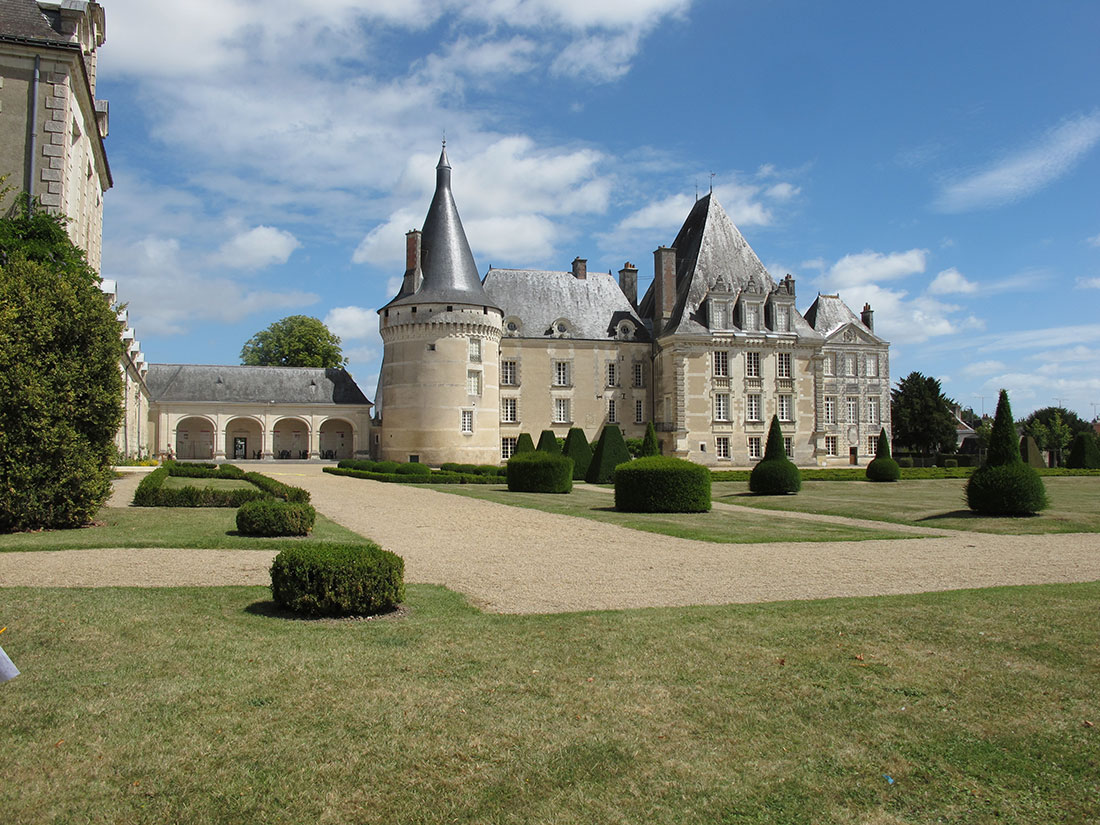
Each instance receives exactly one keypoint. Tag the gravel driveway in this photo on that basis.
(517, 560)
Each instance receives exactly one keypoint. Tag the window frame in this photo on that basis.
(752, 364)
(508, 373)
(721, 364)
(466, 422)
(509, 406)
(753, 407)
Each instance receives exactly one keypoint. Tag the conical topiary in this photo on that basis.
(577, 448)
(882, 466)
(650, 445)
(548, 443)
(524, 444)
(610, 452)
(1004, 485)
(1084, 452)
(1030, 452)
(775, 474)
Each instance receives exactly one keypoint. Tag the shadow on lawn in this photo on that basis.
(269, 610)
(970, 514)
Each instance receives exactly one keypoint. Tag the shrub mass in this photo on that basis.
(775, 474)
(610, 452)
(548, 443)
(1005, 485)
(577, 448)
(537, 472)
(882, 466)
(275, 517)
(1084, 453)
(659, 484)
(338, 579)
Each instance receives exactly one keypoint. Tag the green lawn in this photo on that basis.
(210, 527)
(717, 526)
(940, 503)
(203, 706)
(178, 482)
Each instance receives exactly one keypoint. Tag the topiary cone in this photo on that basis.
(775, 474)
(548, 443)
(524, 444)
(882, 466)
(650, 445)
(610, 452)
(577, 448)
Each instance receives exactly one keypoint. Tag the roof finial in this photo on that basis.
(712, 183)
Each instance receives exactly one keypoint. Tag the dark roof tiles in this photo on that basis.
(258, 385)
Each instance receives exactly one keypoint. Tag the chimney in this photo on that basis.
(788, 284)
(868, 317)
(664, 285)
(628, 283)
(580, 268)
(413, 272)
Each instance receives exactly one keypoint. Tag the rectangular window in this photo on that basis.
(872, 366)
(783, 365)
(852, 409)
(508, 373)
(749, 312)
(473, 382)
(830, 410)
(785, 408)
(830, 445)
(721, 407)
(872, 445)
(788, 446)
(721, 364)
(561, 411)
(639, 411)
(611, 412)
(508, 410)
(639, 375)
(850, 366)
(754, 447)
(717, 315)
(561, 373)
(752, 407)
(475, 350)
(872, 410)
(507, 447)
(827, 365)
(782, 319)
(722, 446)
(467, 421)
(612, 374)
(752, 364)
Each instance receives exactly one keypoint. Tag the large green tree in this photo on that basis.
(60, 385)
(921, 416)
(295, 341)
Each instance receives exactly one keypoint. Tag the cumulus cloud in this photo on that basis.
(983, 368)
(1093, 241)
(1026, 171)
(1088, 283)
(352, 322)
(257, 248)
(951, 281)
(870, 267)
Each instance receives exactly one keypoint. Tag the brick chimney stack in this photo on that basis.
(580, 268)
(413, 272)
(628, 283)
(868, 317)
(664, 285)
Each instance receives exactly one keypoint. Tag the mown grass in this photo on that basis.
(209, 527)
(1073, 504)
(203, 706)
(179, 482)
(720, 526)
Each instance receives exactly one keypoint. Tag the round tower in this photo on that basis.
(438, 389)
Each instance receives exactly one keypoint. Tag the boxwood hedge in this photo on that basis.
(540, 473)
(338, 579)
(660, 484)
(274, 517)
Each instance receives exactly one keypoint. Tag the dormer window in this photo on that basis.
(782, 319)
(624, 331)
(561, 328)
(512, 327)
(718, 315)
(750, 317)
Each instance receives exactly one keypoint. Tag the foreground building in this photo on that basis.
(710, 353)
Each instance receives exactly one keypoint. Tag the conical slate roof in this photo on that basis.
(828, 313)
(450, 274)
(709, 250)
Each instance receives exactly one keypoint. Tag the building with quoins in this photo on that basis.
(710, 353)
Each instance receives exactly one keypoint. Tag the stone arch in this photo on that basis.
(244, 438)
(337, 438)
(194, 438)
(290, 438)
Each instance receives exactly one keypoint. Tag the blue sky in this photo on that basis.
(940, 161)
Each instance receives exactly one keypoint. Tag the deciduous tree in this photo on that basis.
(295, 341)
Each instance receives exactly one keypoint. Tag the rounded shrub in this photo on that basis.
(414, 470)
(338, 579)
(882, 466)
(389, 467)
(905, 462)
(1013, 489)
(274, 517)
(658, 484)
(775, 474)
(537, 472)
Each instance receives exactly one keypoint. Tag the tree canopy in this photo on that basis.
(295, 341)
(60, 385)
(921, 415)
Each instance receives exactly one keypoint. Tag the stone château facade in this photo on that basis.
(710, 353)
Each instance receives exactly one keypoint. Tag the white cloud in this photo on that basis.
(1025, 172)
(1093, 241)
(782, 191)
(1078, 354)
(599, 57)
(1040, 339)
(872, 267)
(352, 322)
(257, 248)
(1088, 283)
(951, 281)
(983, 368)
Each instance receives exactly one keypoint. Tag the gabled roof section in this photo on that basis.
(828, 314)
(23, 20)
(450, 274)
(593, 307)
(255, 385)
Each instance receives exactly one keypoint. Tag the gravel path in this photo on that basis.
(517, 560)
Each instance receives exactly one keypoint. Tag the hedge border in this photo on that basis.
(152, 493)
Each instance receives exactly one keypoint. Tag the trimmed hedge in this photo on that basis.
(1084, 452)
(414, 470)
(548, 443)
(540, 473)
(775, 474)
(610, 452)
(474, 469)
(1031, 454)
(650, 444)
(278, 489)
(524, 444)
(338, 579)
(882, 466)
(151, 492)
(1006, 490)
(577, 448)
(657, 484)
(273, 517)
(434, 478)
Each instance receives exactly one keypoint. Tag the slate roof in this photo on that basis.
(259, 385)
(593, 306)
(829, 313)
(23, 20)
